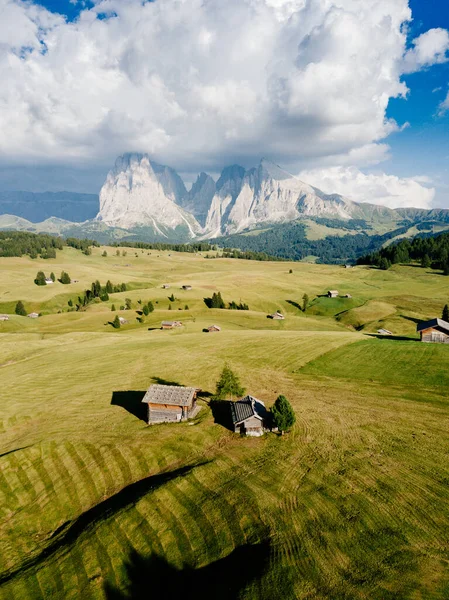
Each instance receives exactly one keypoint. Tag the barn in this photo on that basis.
(213, 328)
(248, 415)
(278, 316)
(170, 324)
(170, 403)
(332, 293)
(4, 318)
(435, 331)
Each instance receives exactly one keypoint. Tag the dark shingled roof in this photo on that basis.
(169, 394)
(246, 408)
(433, 323)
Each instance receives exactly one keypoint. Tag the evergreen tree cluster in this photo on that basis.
(18, 243)
(191, 248)
(429, 250)
(20, 309)
(102, 292)
(216, 301)
(40, 278)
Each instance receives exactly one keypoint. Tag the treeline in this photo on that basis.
(18, 243)
(216, 301)
(430, 251)
(351, 224)
(247, 255)
(289, 241)
(192, 248)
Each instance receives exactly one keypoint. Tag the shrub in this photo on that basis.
(116, 322)
(283, 414)
(65, 278)
(20, 309)
(40, 278)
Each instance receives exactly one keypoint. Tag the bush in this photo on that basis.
(65, 278)
(113, 308)
(283, 414)
(150, 306)
(104, 253)
(116, 322)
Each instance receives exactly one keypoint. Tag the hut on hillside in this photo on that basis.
(332, 293)
(277, 316)
(248, 416)
(384, 332)
(49, 280)
(170, 324)
(4, 317)
(435, 331)
(186, 287)
(122, 320)
(170, 403)
(166, 286)
(33, 315)
(213, 328)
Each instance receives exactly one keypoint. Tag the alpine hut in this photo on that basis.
(435, 331)
(4, 318)
(170, 403)
(170, 324)
(213, 328)
(278, 316)
(332, 293)
(248, 415)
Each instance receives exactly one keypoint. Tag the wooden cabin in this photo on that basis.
(248, 415)
(186, 287)
(435, 331)
(170, 403)
(212, 328)
(122, 320)
(277, 316)
(4, 317)
(170, 324)
(384, 332)
(166, 286)
(332, 293)
(33, 315)
(49, 281)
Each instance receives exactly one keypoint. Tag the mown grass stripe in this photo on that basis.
(67, 482)
(122, 464)
(103, 468)
(149, 534)
(27, 488)
(84, 473)
(142, 461)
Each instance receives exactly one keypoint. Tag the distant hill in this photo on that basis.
(37, 207)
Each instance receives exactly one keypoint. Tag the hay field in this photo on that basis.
(353, 503)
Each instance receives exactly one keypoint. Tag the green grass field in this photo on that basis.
(353, 503)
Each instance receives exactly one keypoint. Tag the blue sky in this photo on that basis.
(201, 85)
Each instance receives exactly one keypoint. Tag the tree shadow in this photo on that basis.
(153, 578)
(161, 381)
(397, 338)
(295, 304)
(412, 319)
(131, 401)
(221, 411)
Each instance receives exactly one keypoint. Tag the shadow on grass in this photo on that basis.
(412, 319)
(221, 411)
(153, 578)
(161, 381)
(397, 338)
(131, 401)
(295, 304)
(67, 535)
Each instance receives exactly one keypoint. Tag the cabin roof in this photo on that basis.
(171, 323)
(433, 323)
(332, 292)
(217, 327)
(245, 408)
(169, 394)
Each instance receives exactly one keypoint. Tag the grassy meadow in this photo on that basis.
(352, 503)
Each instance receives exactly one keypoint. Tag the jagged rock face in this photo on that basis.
(198, 201)
(139, 192)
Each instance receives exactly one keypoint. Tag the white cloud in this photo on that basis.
(444, 106)
(380, 188)
(200, 83)
(430, 48)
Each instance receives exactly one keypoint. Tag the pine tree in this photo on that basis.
(128, 303)
(113, 308)
(426, 262)
(117, 252)
(116, 322)
(186, 307)
(283, 414)
(146, 310)
(228, 384)
(172, 298)
(445, 315)
(20, 309)
(70, 302)
(150, 306)
(65, 278)
(40, 278)
(52, 277)
(305, 302)
(384, 264)
(169, 307)
(104, 253)
(109, 287)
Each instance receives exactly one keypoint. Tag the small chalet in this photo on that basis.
(248, 415)
(170, 403)
(186, 287)
(49, 280)
(332, 293)
(435, 331)
(384, 332)
(212, 328)
(277, 316)
(170, 324)
(122, 320)
(33, 315)
(4, 318)
(348, 296)
(166, 286)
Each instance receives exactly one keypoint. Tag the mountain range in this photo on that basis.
(139, 192)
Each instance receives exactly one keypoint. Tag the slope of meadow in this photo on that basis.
(353, 503)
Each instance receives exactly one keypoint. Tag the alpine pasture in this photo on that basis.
(352, 503)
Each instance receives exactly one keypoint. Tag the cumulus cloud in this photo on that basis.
(444, 106)
(198, 84)
(387, 190)
(430, 48)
